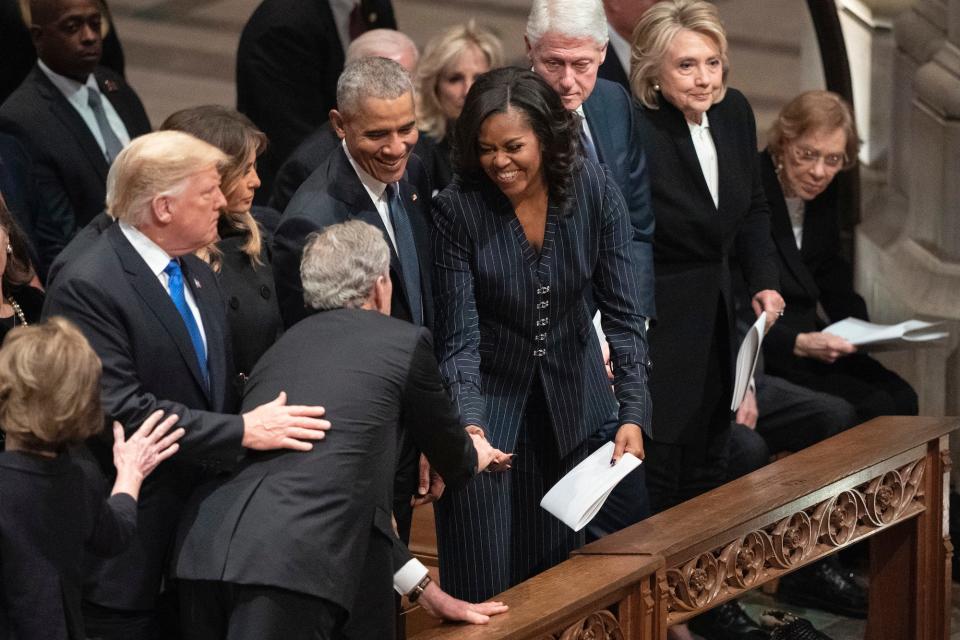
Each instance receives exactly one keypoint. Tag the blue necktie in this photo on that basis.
(588, 147)
(175, 282)
(406, 251)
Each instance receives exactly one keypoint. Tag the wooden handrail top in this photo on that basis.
(579, 586)
(781, 488)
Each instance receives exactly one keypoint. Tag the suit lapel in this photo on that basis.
(725, 163)
(677, 127)
(600, 129)
(64, 112)
(156, 298)
(412, 201)
(111, 90)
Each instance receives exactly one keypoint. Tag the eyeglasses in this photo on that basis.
(807, 156)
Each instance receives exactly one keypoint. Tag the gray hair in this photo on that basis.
(371, 78)
(571, 18)
(342, 263)
(382, 43)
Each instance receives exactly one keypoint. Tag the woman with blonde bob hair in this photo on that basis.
(240, 257)
(450, 63)
(53, 509)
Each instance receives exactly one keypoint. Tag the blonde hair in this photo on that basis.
(441, 52)
(49, 385)
(237, 136)
(655, 33)
(810, 111)
(152, 165)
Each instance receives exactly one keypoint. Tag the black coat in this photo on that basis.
(288, 62)
(318, 522)
(816, 274)
(692, 244)
(149, 363)
(53, 513)
(69, 166)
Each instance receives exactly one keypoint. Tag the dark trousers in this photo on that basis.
(226, 611)
(627, 504)
(162, 623)
(870, 387)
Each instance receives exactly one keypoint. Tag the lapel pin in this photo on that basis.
(372, 17)
(196, 282)
(110, 86)
(413, 197)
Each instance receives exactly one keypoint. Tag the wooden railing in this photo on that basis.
(886, 480)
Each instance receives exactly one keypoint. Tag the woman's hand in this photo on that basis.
(825, 347)
(770, 301)
(488, 458)
(629, 439)
(149, 445)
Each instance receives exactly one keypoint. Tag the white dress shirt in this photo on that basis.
(341, 10)
(378, 194)
(76, 94)
(707, 155)
(796, 209)
(157, 260)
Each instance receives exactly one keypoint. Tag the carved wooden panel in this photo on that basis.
(599, 625)
(783, 545)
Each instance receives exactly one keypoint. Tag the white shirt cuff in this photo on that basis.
(409, 576)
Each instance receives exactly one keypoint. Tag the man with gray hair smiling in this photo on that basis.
(332, 549)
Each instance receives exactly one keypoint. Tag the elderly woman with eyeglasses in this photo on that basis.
(814, 139)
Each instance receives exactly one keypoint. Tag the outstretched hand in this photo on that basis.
(440, 604)
(149, 445)
(276, 425)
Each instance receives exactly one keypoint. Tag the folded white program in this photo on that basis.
(747, 358)
(580, 494)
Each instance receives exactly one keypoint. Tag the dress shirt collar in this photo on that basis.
(698, 129)
(156, 258)
(75, 92)
(621, 47)
(373, 186)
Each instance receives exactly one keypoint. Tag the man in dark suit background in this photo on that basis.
(622, 18)
(568, 61)
(73, 116)
(296, 50)
(372, 177)
(328, 571)
(317, 147)
(154, 314)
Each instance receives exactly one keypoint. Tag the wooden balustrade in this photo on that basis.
(886, 479)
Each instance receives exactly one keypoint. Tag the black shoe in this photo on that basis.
(787, 626)
(727, 622)
(826, 586)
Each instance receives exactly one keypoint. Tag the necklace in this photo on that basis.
(17, 310)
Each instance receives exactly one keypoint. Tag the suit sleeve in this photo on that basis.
(639, 204)
(288, 243)
(209, 436)
(618, 283)
(754, 242)
(457, 324)
(433, 420)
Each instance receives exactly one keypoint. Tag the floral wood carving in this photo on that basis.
(599, 625)
(768, 552)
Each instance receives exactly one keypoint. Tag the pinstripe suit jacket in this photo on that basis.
(505, 315)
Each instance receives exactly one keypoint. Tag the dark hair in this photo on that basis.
(235, 135)
(19, 271)
(556, 128)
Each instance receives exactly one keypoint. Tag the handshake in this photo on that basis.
(488, 459)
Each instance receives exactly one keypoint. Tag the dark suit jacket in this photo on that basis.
(691, 247)
(319, 522)
(69, 165)
(313, 151)
(612, 69)
(82, 241)
(149, 364)
(333, 194)
(817, 273)
(291, 48)
(506, 316)
(610, 116)
(52, 513)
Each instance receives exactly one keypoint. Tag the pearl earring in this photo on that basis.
(656, 86)
(9, 248)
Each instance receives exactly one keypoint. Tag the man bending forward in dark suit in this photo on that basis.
(328, 569)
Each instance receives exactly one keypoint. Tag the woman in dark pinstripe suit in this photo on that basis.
(521, 237)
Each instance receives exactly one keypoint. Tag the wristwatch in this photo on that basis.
(418, 590)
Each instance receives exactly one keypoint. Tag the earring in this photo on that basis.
(9, 248)
(656, 86)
